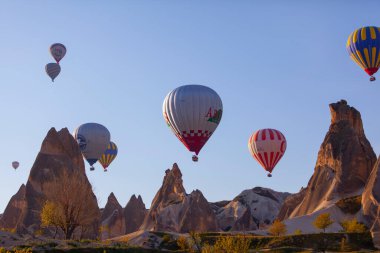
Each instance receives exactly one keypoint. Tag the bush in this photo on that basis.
(353, 226)
(297, 232)
(278, 228)
(182, 243)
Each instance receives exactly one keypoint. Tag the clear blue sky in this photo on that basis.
(275, 64)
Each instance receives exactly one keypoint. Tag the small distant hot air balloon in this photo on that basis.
(267, 146)
(93, 139)
(363, 45)
(53, 70)
(193, 112)
(58, 51)
(108, 156)
(15, 165)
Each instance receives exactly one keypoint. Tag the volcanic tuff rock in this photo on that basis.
(174, 210)
(12, 214)
(251, 209)
(112, 219)
(345, 161)
(371, 203)
(134, 214)
(59, 154)
(291, 202)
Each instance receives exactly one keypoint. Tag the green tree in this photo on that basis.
(353, 226)
(298, 232)
(323, 221)
(278, 228)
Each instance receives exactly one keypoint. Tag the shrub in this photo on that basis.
(182, 243)
(278, 228)
(297, 232)
(353, 226)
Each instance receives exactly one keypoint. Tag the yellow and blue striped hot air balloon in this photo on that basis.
(108, 156)
(363, 45)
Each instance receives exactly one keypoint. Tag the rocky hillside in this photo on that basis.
(174, 210)
(12, 214)
(59, 156)
(371, 203)
(250, 210)
(117, 221)
(345, 161)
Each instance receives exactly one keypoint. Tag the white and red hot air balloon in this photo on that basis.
(267, 146)
(193, 112)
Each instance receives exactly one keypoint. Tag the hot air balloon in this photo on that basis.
(108, 156)
(53, 70)
(363, 45)
(58, 51)
(267, 146)
(93, 139)
(193, 112)
(15, 164)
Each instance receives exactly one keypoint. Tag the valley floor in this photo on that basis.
(152, 242)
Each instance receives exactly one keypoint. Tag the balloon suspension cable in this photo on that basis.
(92, 168)
(194, 158)
(372, 78)
(269, 175)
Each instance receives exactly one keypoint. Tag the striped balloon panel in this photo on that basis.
(109, 155)
(193, 112)
(267, 146)
(53, 70)
(58, 51)
(363, 46)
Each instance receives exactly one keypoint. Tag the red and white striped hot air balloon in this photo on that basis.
(267, 146)
(193, 112)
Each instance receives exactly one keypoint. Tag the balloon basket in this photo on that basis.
(269, 175)
(92, 168)
(372, 78)
(105, 170)
(194, 158)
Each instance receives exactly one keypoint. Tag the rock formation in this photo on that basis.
(345, 161)
(291, 202)
(174, 210)
(59, 155)
(251, 209)
(13, 211)
(134, 214)
(371, 203)
(112, 219)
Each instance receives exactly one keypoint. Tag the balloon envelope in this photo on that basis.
(93, 139)
(363, 46)
(53, 70)
(267, 146)
(109, 155)
(58, 51)
(15, 164)
(193, 112)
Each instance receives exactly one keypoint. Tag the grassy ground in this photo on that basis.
(332, 242)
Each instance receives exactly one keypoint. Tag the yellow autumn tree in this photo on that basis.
(323, 221)
(353, 226)
(278, 228)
